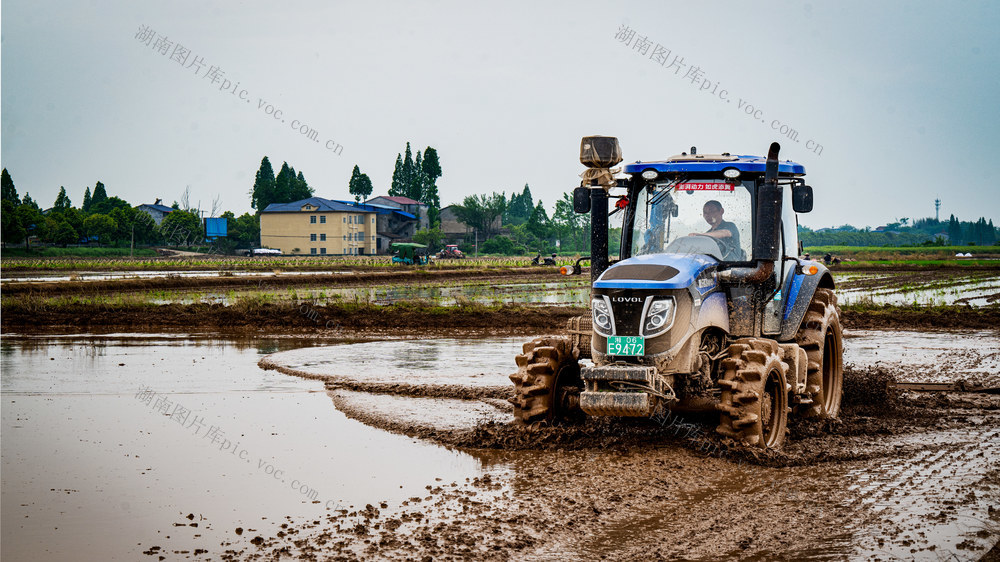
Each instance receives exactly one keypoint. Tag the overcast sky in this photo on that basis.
(903, 97)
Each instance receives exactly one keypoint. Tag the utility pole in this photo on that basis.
(937, 209)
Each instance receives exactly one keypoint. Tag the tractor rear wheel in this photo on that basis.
(822, 338)
(754, 401)
(547, 383)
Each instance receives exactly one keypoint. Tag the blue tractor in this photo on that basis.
(707, 308)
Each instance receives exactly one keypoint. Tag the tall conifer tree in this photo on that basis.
(262, 193)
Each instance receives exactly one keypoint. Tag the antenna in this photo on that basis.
(937, 209)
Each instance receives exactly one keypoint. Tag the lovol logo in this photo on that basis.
(626, 299)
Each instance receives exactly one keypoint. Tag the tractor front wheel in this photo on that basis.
(754, 401)
(547, 383)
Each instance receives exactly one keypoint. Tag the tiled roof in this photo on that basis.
(320, 204)
(400, 199)
(161, 208)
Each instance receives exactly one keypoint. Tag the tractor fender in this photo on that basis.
(711, 313)
(799, 291)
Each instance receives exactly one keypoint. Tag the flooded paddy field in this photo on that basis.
(919, 288)
(137, 446)
(941, 286)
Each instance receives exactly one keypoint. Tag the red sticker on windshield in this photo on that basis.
(706, 187)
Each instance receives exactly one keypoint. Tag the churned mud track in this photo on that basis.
(867, 488)
(385, 276)
(899, 475)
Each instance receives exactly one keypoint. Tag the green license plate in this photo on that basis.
(626, 345)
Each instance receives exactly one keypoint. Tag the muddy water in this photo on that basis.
(94, 468)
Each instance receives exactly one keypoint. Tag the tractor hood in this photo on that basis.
(655, 271)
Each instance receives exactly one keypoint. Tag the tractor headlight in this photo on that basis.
(659, 316)
(650, 174)
(731, 173)
(603, 320)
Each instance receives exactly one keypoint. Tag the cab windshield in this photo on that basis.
(709, 217)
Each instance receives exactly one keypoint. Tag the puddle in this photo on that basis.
(93, 469)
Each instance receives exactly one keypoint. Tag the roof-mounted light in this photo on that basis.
(731, 173)
(650, 174)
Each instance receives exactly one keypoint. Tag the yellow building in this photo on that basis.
(318, 226)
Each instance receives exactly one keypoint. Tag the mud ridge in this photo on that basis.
(223, 281)
(328, 320)
(888, 317)
(29, 315)
(454, 391)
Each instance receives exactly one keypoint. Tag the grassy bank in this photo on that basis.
(269, 263)
(896, 253)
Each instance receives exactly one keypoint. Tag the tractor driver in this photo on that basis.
(724, 232)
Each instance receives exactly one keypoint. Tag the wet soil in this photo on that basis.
(898, 476)
(919, 478)
(29, 316)
(328, 320)
(915, 317)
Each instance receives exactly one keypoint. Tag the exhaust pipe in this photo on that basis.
(767, 242)
(598, 231)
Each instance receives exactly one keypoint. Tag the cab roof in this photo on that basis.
(714, 163)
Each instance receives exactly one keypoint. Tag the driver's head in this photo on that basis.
(713, 212)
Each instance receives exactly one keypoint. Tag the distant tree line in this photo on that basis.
(110, 221)
(922, 232)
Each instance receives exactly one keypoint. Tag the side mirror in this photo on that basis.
(802, 198)
(581, 200)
